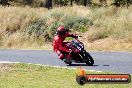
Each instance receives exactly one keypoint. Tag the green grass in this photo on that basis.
(34, 76)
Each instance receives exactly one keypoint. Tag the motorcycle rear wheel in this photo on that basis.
(68, 63)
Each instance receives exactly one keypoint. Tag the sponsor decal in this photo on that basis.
(83, 78)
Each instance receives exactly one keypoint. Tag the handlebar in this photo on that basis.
(80, 36)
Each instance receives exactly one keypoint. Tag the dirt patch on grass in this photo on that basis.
(5, 66)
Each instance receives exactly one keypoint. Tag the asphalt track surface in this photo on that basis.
(117, 62)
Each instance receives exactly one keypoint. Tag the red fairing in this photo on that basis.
(58, 42)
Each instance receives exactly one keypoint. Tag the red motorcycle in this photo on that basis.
(81, 55)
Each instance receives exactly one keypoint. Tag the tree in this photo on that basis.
(4, 2)
(118, 3)
(85, 3)
(71, 2)
(27, 2)
(89, 2)
(77, 1)
(48, 4)
(103, 2)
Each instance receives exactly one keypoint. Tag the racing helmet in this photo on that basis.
(61, 30)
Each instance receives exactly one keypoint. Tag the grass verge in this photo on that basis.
(34, 76)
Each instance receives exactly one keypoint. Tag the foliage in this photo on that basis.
(27, 26)
(39, 26)
(32, 3)
(78, 23)
(42, 3)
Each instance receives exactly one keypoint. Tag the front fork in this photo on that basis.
(82, 55)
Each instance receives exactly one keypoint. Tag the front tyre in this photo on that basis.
(88, 59)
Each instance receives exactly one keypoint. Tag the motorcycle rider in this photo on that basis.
(59, 46)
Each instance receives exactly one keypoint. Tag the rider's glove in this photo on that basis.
(75, 36)
(70, 50)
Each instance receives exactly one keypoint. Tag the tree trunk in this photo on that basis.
(117, 3)
(71, 2)
(77, 1)
(48, 4)
(89, 2)
(85, 3)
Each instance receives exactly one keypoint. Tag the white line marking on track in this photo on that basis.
(91, 70)
(7, 62)
(49, 65)
(99, 71)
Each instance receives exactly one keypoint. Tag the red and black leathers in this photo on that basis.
(59, 44)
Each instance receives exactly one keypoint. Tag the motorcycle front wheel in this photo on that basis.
(88, 59)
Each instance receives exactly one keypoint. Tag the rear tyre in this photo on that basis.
(68, 62)
(88, 59)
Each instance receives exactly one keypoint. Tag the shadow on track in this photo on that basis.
(80, 65)
(106, 65)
